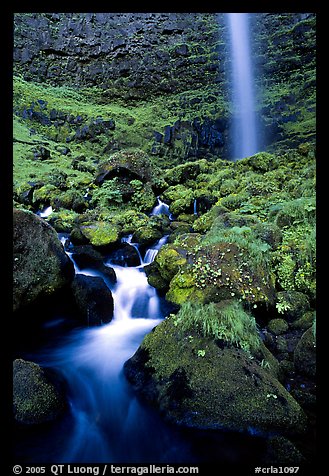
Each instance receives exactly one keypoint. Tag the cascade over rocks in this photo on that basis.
(40, 263)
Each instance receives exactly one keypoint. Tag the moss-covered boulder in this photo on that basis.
(40, 264)
(184, 172)
(132, 164)
(277, 326)
(101, 233)
(63, 220)
(305, 354)
(147, 235)
(181, 199)
(196, 382)
(169, 259)
(304, 322)
(37, 398)
(222, 271)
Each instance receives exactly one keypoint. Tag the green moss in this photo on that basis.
(212, 376)
(148, 234)
(183, 287)
(100, 233)
(169, 260)
(277, 326)
(36, 399)
(63, 221)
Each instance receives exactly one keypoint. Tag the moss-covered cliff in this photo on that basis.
(165, 77)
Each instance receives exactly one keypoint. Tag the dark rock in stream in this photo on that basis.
(41, 266)
(38, 394)
(94, 299)
(305, 354)
(86, 256)
(126, 255)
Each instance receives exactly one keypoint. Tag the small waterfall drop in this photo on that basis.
(161, 209)
(244, 133)
(45, 212)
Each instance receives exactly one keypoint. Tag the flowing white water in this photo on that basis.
(161, 209)
(152, 252)
(106, 422)
(106, 415)
(45, 212)
(244, 136)
(102, 405)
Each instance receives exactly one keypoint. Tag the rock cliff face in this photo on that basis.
(182, 58)
(131, 54)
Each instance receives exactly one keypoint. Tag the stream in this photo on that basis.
(106, 421)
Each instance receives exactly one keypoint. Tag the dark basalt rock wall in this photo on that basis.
(133, 53)
(141, 56)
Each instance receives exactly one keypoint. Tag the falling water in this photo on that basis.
(245, 141)
(161, 209)
(106, 422)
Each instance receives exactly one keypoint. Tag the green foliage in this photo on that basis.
(282, 305)
(294, 261)
(108, 194)
(234, 200)
(294, 212)
(225, 321)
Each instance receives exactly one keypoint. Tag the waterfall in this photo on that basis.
(244, 137)
(161, 209)
(195, 209)
(45, 212)
(152, 252)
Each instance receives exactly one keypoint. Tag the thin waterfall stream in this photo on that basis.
(244, 137)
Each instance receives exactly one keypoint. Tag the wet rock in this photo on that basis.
(38, 396)
(40, 264)
(304, 322)
(305, 354)
(126, 255)
(94, 299)
(86, 256)
(281, 451)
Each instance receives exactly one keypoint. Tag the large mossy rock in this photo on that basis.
(36, 397)
(40, 264)
(131, 164)
(100, 234)
(222, 271)
(197, 383)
